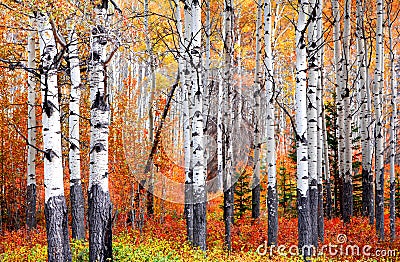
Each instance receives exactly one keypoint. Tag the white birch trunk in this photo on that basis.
(379, 143)
(393, 137)
(339, 84)
(347, 195)
(197, 142)
(364, 114)
(303, 198)
(76, 193)
(55, 205)
(272, 196)
(255, 193)
(312, 119)
(31, 159)
(187, 122)
(150, 208)
(229, 118)
(100, 207)
(320, 112)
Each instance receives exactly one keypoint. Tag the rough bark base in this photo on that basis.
(365, 193)
(31, 206)
(255, 201)
(372, 200)
(228, 214)
(379, 212)
(392, 211)
(100, 225)
(199, 225)
(272, 205)
(321, 229)
(328, 206)
(314, 212)
(347, 201)
(57, 229)
(77, 210)
(189, 211)
(304, 224)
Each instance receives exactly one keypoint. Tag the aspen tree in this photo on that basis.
(100, 207)
(272, 194)
(76, 193)
(55, 204)
(197, 140)
(31, 168)
(379, 143)
(347, 193)
(312, 118)
(255, 193)
(303, 196)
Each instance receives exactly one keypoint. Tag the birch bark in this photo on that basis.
(100, 207)
(31, 162)
(379, 143)
(255, 193)
(197, 142)
(55, 205)
(272, 195)
(303, 197)
(76, 193)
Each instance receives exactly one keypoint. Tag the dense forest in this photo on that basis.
(189, 130)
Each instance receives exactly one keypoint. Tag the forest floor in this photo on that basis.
(165, 241)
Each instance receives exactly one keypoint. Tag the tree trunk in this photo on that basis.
(345, 95)
(150, 189)
(367, 194)
(229, 120)
(303, 197)
(31, 170)
(187, 133)
(55, 205)
(393, 129)
(312, 119)
(255, 193)
(197, 142)
(272, 194)
(76, 193)
(327, 172)
(100, 207)
(320, 112)
(379, 147)
(339, 87)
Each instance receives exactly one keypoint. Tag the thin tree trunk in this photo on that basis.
(347, 196)
(303, 197)
(379, 147)
(31, 170)
(272, 194)
(100, 207)
(55, 205)
(312, 119)
(393, 128)
(320, 112)
(187, 123)
(255, 193)
(339, 87)
(228, 104)
(364, 114)
(197, 142)
(327, 172)
(76, 193)
(150, 197)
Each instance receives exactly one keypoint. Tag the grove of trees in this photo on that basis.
(228, 118)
